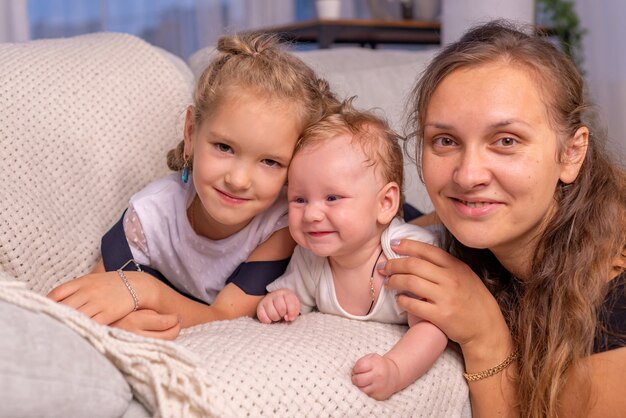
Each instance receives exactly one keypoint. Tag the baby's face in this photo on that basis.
(334, 198)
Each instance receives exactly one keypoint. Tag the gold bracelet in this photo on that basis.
(472, 377)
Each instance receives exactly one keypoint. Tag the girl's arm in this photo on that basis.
(231, 302)
(454, 299)
(104, 297)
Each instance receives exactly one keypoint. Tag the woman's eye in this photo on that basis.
(507, 141)
(443, 141)
(223, 147)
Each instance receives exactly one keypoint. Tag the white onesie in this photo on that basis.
(311, 279)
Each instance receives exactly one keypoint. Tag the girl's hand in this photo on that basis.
(101, 296)
(151, 324)
(278, 305)
(454, 298)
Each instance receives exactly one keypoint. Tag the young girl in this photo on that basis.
(217, 230)
(344, 195)
(535, 214)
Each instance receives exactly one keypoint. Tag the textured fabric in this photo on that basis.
(192, 263)
(302, 369)
(116, 254)
(252, 277)
(311, 279)
(163, 375)
(84, 123)
(245, 368)
(44, 365)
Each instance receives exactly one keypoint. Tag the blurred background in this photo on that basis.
(592, 31)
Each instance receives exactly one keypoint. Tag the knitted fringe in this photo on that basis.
(165, 377)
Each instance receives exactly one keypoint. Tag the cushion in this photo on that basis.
(45, 360)
(302, 369)
(85, 122)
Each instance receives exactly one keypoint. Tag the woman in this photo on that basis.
(533, 287)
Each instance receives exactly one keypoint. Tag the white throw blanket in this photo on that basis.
(163, 375)
(244, 368)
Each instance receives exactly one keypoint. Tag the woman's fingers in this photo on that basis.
(423, 309)
(422, 250)
(402, 269)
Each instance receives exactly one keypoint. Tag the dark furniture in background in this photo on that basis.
(360, 31)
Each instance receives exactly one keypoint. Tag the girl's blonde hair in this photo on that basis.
(552, 315)
(380, 143)
(256, 63)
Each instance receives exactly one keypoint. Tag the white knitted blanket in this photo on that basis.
(245, 368)
(164, 376)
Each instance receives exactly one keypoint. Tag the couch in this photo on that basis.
(84, 123)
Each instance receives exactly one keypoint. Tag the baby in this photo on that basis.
(344, 190)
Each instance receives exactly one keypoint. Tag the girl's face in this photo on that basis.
(240, 157)
(490, 159)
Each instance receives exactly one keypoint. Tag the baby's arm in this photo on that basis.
(278, 305)
(411, 357)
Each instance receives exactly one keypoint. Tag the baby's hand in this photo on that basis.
(278, 305)
(376, 376)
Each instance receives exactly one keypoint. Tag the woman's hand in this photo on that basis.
(101, 296)
(450, 295)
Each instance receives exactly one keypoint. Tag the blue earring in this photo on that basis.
(185, 174)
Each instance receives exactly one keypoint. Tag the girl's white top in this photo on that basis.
(160, 235)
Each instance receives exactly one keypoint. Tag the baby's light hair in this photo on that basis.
(380, 143)
(255, 63)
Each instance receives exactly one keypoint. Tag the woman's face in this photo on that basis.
(490, 158)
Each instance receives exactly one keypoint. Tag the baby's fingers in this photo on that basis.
(261, 312)
(280, 307)
(362, 375)
(293, 307)
(364, 364)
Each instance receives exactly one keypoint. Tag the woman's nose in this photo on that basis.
(472, 169)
